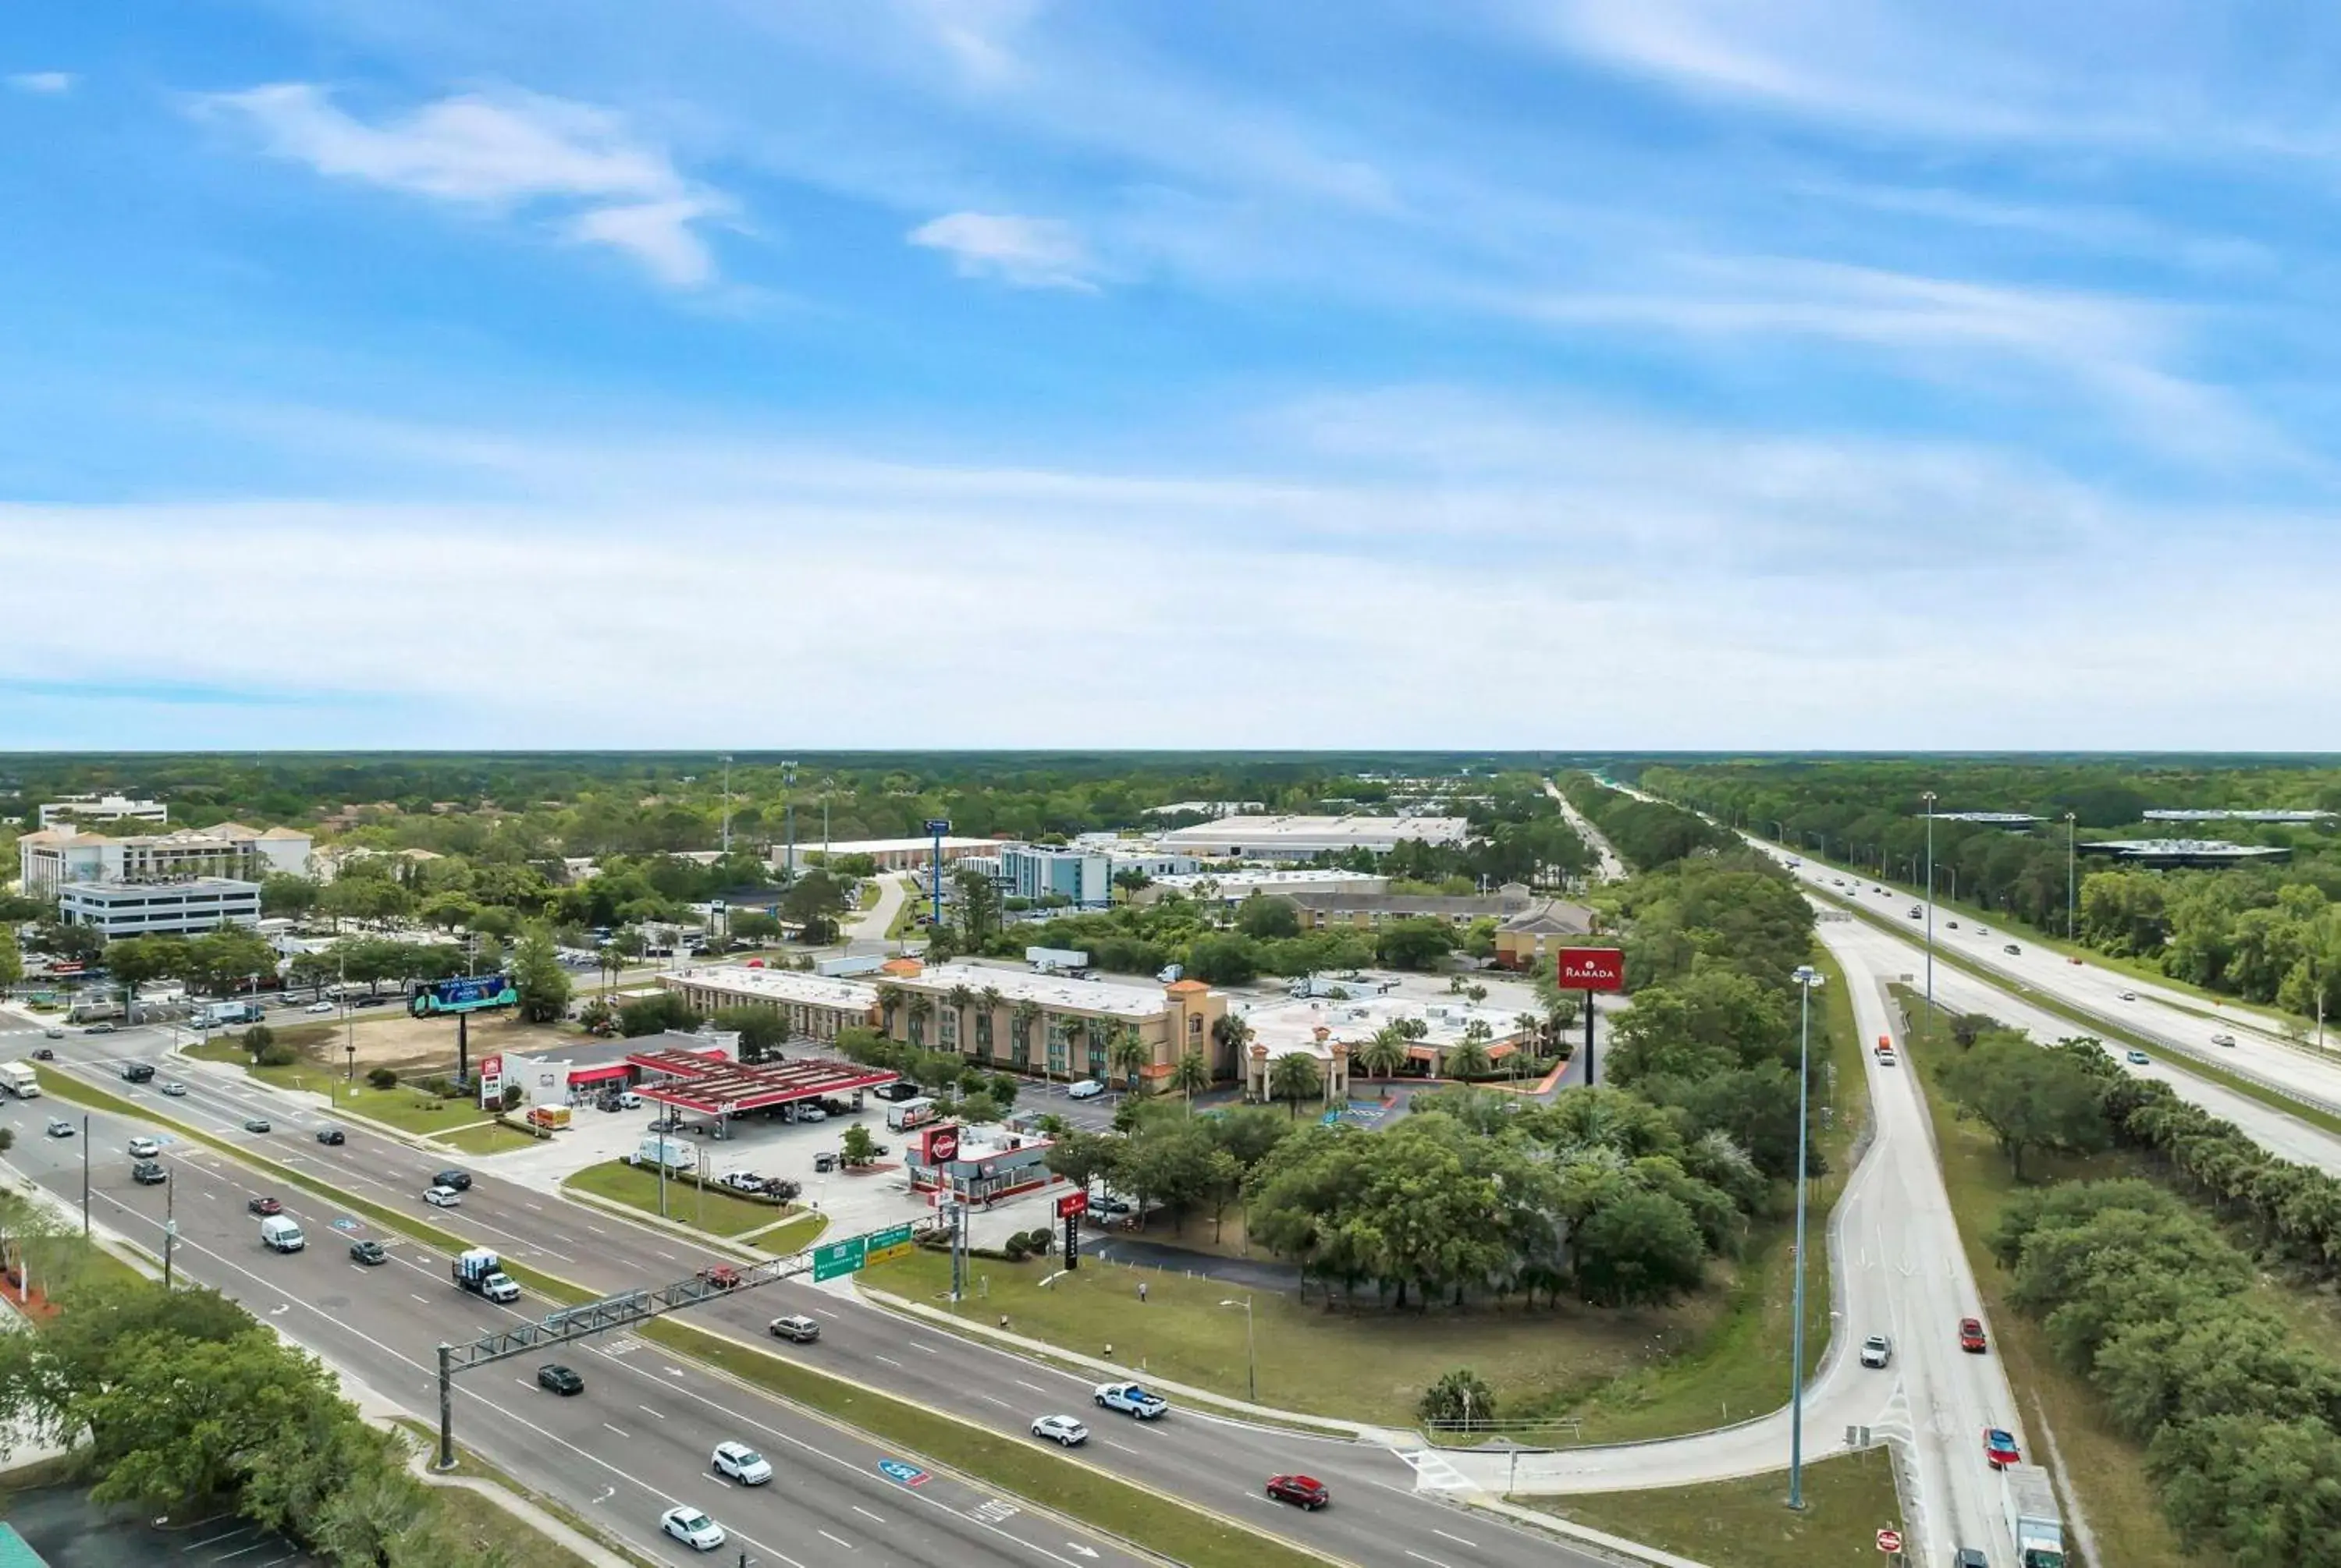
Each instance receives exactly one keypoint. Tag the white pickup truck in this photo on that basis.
(1133, 1399)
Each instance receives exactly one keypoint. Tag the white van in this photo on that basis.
(282, 1233)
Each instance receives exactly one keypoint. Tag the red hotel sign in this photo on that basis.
(1592, 969)
(1071, 1203)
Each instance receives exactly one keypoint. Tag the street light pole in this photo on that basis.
(789, 810)
(1929, 799)
(727, 804)
(85, 1175)
(1252, 1360)
(170, 1228)
(2069, 933)
(1808, 979)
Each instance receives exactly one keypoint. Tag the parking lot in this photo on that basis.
(64, 1526)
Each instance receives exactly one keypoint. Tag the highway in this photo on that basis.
(595, 1452)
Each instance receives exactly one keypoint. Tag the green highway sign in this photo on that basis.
(891, 1242)
(837, 1258)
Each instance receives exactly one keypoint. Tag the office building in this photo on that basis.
(87, 808)
(1082, 876)
(815, 1005)
(180, 908)
(1305, 838)
(50, 859)
(889, 854)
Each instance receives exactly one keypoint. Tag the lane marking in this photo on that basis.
(1457, 1539)
(867, 1514)
(841, 1540)
(648, 1411)
(888, 1360)
(1434, 1561)
(619, 1430)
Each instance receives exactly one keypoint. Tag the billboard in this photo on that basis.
(1592, 969)
(942, 1145)
(464, 994)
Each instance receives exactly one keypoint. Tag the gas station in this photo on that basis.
(711, 1084)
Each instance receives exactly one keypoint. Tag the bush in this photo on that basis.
(1040, 1240)
(382, 1077)
(1016, 1250)
(258, 1038)
(1458, 1396)
(277, 1054)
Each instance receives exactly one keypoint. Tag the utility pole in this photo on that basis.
(1808, 980)
(959, 1249)
(170, 1228)
(727, 804)
(2070, 934)
(1929, 799)
(789, 810)
(85, 1175)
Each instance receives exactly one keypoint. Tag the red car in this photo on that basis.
(265, 1206)
(722, 1277)
(1971, 1338)
(2000, 1449)
(1305, 1490)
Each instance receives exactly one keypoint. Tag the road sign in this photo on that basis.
(839, 1257)
(901, 1473)
(1592, 969)
(1889, 1541)
(891, 1242)
(1071, 1203)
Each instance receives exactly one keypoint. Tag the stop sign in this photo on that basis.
(1889, 1541)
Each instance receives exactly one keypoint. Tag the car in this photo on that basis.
(2129, 996)
(369, 1252)
(666, 1124)
(1086, 1089)
(1971, 1338)
(812, 1114)
(2013, 951)
(263, 1205)
(1305, 1491)
(1132, 1398)
(560, 1379)
(371, 1002)
(1876, 1350)
(1969, 1557)
(1061, 1430)
(629, 1101)
(60, 1128)
(54, 1032)
(99, 1029)
(1954, 925)
(823, 1162)
(174, 1088)
(145, 1149)
(42, 1054)
(334, 1135)
(2224, 1039)
(693, 1528)
(255, 1124)
(2000, 1449)
(460, 1180)
(443, 1198)
(1983, 930)
(137, 1072)
(149, 1173)
(1916, 913)
(2138, 1058)
(741, 1462)
(798, 1330)
(720, 1276)
(318, 1008)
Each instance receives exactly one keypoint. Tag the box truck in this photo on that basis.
(904, 1115)
(673, 1153)
(2033, 1521)
(20, 1080)
(1070, 961)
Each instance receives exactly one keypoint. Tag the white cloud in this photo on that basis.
(1029, 252)
(509, 151)
(50, 81)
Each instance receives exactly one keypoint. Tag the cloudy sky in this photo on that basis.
(1561, 373)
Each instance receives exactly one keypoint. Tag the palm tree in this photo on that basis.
(921, 1008)
(990, 1021)
(1467, 1060)
(1293, 1076)
(1022, 1024)
(1073, 1028)
(1189, 1074)
(1128, 1053)
(890, 1002)
(1232, 1035)
(961, 997)
(1384, 1057)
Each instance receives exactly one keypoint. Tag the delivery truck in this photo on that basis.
(2034, 1524)
(220, 1015)
(1072, 961)
(904, 1115)
(20, 1079)
(481, 1272)
(673, 1153)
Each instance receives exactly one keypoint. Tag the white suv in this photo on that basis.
(742, 1464)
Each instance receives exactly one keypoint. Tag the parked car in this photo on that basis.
(1061, 1430)
(1086, 1089)
(693, 1528)
(460, 1180)
(560, 1379)
(263, 1205)
(1969, 1557)
(369, 1252)
(1971, 1338)
(255, 1124)
(333, 1136)
(741, 1462)
(811, 1113)
(799, 1330)
(1304, 1490)
(443, 1198)
(149, 1173)
(1131, 1398)
(823, 1162)
(2000, 1449)
(629, 1100)
(1876, 1350)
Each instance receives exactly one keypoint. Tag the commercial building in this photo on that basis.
(332, 860)
(980, 1165)
(1320, 910)
(2301, 818)
(1532, 939)
(1031, 1023)
(890, 854)
(815, 1005)
(1235, 884)
(49, 859)
(1331, 1033)
(77, 808)
(2166, 853)
(1304, 837)
(1990, 819)
(1213, 808)
(1083, 878)
(160, 908)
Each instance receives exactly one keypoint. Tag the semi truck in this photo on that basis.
(20, 1080)
(2033, 1521)
(481, 1272)
(848, 966)
(1070, 961)
(219, 1014)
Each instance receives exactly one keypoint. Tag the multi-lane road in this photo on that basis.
(637, 1440)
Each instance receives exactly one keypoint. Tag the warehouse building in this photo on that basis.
(1305, 838)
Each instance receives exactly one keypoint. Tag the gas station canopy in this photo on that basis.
(714, 1085)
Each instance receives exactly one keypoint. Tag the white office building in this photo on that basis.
(1082, 877)
(53, 859)
(182, 908)
(103, 809)
(1303, 838)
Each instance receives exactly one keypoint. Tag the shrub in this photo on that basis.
(382, 1077)
(277, 1054)
(258, 1038)
(1016, 1250)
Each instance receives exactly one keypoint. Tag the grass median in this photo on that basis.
(1164, 1526)
(1746, 1523)
(707, 1208)
(479, 1519)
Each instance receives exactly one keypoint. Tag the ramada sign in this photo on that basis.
(1592, 969)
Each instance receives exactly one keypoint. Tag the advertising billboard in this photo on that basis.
(1592, 969)
(463, 994)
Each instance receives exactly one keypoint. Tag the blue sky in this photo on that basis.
(1410, 372)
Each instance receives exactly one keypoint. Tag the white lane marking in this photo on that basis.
(619, 1430)
(887, 1360)
(987, 1398)
(922, 1345)
(1434, 1561)
(1109, 1443)
(1033, 1386)
(1457, 1539)
(423, 1299)
(647, 1410)
(867, 1514)
(841, 1540)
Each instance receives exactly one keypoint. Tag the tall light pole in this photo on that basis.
(1251, 1361)
(1808, 979)
(1929, 799)
(727, 803)
(2070, 935)
(788, 809)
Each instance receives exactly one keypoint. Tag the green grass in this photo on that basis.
(1746, 1523)
(408, 1110)
(723, 1213)
(2104, 1468)
(477, 1519)
(1170, 1528)
(791, 1235)
(491, 1137)
(906, 918)
(866, 895)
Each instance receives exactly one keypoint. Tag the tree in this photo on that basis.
(1264, 918)
(135, 962)
(2029, 1096)
(1415, 942)
(1468, 1059)
(1641, 1248)
(538, 976)
(1127, 1054)
(220, 962)
(960, 998)
(1190, 1074)
(1078, 1156)
(1232, 1035)
(1294, 1076)
(975, 908)
(1223, 958)
(650, 1015)
(857, 1148)
(12, 958)
(283, 894)
(763, 1031)
(1458, 1398)
(754, 925)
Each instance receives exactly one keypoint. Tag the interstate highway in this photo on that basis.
(1219, 1466)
